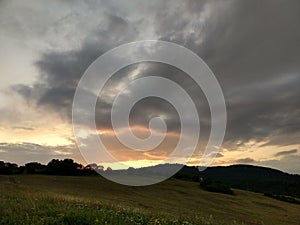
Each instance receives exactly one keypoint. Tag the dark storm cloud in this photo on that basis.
(251, 46)
(151, 107)
(61, 71)
(282, 153)
(253, 49)
(256, 59)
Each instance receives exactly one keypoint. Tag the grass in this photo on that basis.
(29, 199)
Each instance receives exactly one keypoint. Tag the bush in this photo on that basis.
(283, 198)
(215, 186)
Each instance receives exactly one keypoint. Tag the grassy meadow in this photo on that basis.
(41, 199)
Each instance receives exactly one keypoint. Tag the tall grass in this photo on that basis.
(23, 207)
(38, 199)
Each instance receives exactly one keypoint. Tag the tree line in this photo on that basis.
(54, 167)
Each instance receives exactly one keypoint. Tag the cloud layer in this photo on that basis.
(251, 46)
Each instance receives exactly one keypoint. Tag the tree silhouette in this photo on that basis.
(64, 167)
(35, 168)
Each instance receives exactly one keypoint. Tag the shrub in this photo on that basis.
(283, 198)
(215, 186)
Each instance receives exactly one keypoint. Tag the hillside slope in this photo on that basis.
(173, 198)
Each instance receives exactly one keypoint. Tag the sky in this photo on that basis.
(252, 47)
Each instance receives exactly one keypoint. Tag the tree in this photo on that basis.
(35, 168)
(8, 168)
(64, 167)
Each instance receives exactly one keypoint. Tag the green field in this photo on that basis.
(38, 199)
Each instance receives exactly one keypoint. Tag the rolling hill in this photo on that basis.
(45, 199)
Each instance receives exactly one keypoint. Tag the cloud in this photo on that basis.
(219, 155)
(254, 56)
(251, 46)
(245, 160)
(283, 153)
(23, 128)
(289, 163)
(29, 152)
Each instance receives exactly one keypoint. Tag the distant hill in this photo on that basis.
(245, 177)
(248, 177)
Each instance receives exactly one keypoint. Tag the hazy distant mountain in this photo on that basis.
(246, 177)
